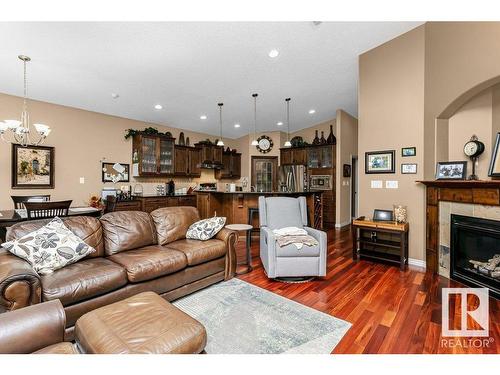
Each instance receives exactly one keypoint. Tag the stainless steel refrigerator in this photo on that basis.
(293, 178)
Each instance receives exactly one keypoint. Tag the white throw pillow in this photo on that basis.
(49, 248)
(205, 229)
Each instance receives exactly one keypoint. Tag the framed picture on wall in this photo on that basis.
(380, 162)
(452, 170)
(32, 167)
(115, 172)
(408, 151)
(494, 170)
(346, 170)
(409, 168)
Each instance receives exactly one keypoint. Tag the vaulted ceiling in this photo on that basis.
(188, 67)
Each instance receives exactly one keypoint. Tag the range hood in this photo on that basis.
(209, 164)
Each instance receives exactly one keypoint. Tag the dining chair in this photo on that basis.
(44, 210)
(19, 200)
(110, 203)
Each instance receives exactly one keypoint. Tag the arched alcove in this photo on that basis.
(476, 111)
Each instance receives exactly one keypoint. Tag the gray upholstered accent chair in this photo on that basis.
(288, 261)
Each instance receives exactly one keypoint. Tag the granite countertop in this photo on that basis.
(261, 193)
(160, 196)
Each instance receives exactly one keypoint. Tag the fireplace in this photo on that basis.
(475, 252)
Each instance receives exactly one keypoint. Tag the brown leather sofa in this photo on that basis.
(135, 252)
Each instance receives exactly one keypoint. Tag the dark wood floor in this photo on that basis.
(391, 311)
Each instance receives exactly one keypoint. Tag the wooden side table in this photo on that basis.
(248, 229)
(378, 240)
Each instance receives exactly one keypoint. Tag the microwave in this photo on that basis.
(318, 182)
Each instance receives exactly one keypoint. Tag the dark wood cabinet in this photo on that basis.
(152, 155)
(187, 161)
(194, 162)
(231, 166)
(181, 161)
(210, 154)
(320, 160)
(286, 156)
(151, 203)
(293, 156)
(299, 156)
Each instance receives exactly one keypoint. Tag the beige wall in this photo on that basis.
(475, 117)
(391, 116)
(308, 134)
(410, 84)
(81, 139)
(347, 147)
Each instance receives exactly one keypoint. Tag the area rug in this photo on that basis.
(241, 318)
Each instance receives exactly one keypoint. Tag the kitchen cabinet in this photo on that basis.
(152, 155)
(231, 166)
(211, 155)
(187, 161)
(286, 156)
(293, 156)
(320, 156)
(149, 203)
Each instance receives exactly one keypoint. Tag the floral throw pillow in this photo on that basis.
(49, 248)
(205, 229)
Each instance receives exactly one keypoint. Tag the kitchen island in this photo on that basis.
(235, 205)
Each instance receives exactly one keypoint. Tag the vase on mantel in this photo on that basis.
(331, 138)
(316, 139)
(322, 141)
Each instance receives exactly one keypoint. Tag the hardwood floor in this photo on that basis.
(390, 311)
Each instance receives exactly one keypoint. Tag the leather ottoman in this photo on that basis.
(142, 324)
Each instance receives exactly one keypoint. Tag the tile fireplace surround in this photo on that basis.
(479, 199)
(446, 209)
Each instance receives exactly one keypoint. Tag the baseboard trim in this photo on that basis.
(416, 262)
(344, 224)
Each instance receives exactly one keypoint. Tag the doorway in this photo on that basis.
(354, 187)
(264, 173)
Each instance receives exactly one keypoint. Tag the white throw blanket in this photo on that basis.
(294, 235)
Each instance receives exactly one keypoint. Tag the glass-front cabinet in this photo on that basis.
(152, 155)
(320, 157)
(166, 156)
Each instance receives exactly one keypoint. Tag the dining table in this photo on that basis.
(11, 217)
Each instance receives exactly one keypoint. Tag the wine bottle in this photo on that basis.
(323, 139)
(316, 139)
(331, 138)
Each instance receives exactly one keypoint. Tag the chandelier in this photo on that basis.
(20, 131)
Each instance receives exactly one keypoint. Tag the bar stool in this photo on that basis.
(252, 211)
(244, 228)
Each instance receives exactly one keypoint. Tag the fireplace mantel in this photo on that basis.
(473, 192)
(463, 184)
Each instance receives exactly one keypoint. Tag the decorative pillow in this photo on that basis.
(49, 248)
(205, 229)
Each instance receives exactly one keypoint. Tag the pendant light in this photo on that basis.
(21, 132)
(287, 143)
(220, 143)
(254, 141)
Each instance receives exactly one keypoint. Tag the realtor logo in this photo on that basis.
(474, 320)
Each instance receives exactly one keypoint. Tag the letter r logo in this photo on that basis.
(476, 315)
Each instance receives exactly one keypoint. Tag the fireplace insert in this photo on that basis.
(475, 252)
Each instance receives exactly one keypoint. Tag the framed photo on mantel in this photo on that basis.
(32, 167)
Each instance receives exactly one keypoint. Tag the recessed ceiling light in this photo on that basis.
(237, 125)
(279, 123)
(312, 111)
(203, 117)
(274, 53)
(114, 95)
(158, 106)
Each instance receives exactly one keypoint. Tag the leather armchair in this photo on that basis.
(281, 212)
(35, 329)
